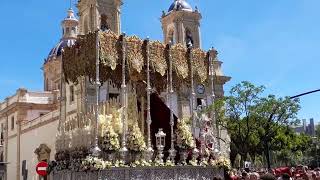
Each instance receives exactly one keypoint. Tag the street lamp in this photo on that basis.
(160, 143)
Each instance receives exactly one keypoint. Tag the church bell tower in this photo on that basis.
(181, 24)
(99, 14)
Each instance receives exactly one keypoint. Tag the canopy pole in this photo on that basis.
(149, 120)
(172, 151)
(95, 149)
(124, 116)
(193, 108)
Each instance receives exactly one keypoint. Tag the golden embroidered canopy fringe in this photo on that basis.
(79, 60)
(200, 64)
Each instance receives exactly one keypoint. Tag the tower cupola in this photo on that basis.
(181, 24)
(70, 26)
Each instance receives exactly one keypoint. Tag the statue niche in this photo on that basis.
(104, 23)
(189, 38)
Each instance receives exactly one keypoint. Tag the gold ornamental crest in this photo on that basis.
(134, 52)
(179, 60)
(199, 59)
(108, 49)
(157, 57)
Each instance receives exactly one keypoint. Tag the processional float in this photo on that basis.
(110, 134)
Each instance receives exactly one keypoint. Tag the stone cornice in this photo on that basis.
(19, 106)
(222, 79)
(183, 15)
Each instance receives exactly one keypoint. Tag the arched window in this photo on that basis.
(171, 37)
(67, 30)
(73, 30)
(189, 38)
(104, 23)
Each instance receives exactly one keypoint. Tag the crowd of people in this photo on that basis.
(283, 173)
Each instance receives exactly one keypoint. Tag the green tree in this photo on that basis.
(255, 122)
(249, 159)
(239, 107)
(271, 115)
(318, 131)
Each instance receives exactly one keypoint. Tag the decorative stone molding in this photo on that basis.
(43, 152)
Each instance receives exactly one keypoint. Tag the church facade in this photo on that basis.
(30, 120)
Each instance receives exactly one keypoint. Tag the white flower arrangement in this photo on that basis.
(170, 163)
(116, 120)
(110, 139)
(157, 162)
(135, 164)
(223, 162)
(193, 162)
(145, 163)
(204, 163)
(185, 139)
(94, 163)
(136, 139)
(142, 163)
(120, 163)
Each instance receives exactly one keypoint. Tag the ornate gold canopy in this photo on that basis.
(79, 60)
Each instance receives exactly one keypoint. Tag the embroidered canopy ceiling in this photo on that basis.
(80, 60)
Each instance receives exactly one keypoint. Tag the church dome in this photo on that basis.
(69, 31)
(57, 50)
(180, 5)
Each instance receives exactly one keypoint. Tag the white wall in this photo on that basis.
(42, 130)
(31, 140)
(33, 114)
(12, 159)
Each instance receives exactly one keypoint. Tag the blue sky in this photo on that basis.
(272, 43)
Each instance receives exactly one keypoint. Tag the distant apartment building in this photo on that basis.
(305, 128)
